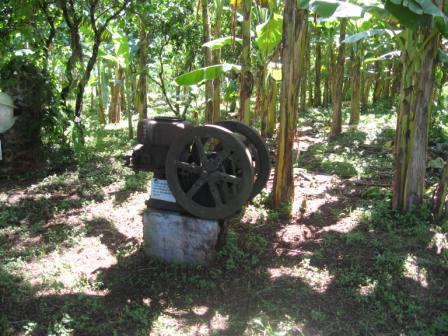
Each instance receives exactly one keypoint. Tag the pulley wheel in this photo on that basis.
(209, 172)
(258, 151)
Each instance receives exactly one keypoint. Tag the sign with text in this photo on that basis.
(161, 191)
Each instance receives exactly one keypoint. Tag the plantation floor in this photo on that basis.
(343, 264)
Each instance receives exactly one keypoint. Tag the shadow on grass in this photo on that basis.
(349, 155)
(367, 280)
(370, 279)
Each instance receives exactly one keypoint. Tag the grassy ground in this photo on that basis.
(343, 264)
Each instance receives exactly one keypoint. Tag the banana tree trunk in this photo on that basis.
(101, 111)
(336, 123)
(412, 124)
(356, 89)
(141, 100)
(128, 80)
(440, 202)
(116, 99)
(317, 69)
(247, 80)
(396, 73)
(294, 39)
(303, 84)
(307, 82)
(366, 92)
(378, 88)
(260, 100)
(217, 60)
(207, 62)
(271, 113)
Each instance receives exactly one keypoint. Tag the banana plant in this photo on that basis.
(425, 22)
(121, 87)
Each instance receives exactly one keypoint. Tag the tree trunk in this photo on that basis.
(115, 102)
(378, 88)
(303, 105)
(207, 62)
(86, 76)
(217, 60)
(101, 111)
(317, 69)
(336, 124)
(356, 88)
(141, 100)
(307, 83)
(271, 107)
(385, 95)
(294, 34)
(396, 73)
(73, 22)
(327, 94)
(247, 81)
(366, 92)
(128, 80)
(260, 93)
(412, 123)
(440, 202)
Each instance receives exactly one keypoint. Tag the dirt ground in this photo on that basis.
(72, 262)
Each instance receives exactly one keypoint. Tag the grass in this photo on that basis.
(71, 261)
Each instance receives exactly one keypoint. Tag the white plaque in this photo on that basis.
(161, 191)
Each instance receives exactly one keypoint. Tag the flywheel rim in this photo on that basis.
(209, 184)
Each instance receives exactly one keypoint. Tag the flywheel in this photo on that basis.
(210, 172)
(258, 151)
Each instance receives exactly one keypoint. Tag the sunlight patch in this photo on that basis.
(264, 325)
(368, 288)
(440, 242)
(295, 234)
(415, 272)
(72, 270)
(318, 279)
(200, 310)
(219, 321)
(346, 224)
(167, 325)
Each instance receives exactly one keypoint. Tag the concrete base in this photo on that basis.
(175, 237)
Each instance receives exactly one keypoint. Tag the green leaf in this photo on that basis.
(335, 9)
(269, 34)
(367, 33)
(303, 4)
(412, 13)
(387, 56)
(204, 74)
(221, 42)
(442, 57)
(324, 8)
(438, 163)
(404, 14)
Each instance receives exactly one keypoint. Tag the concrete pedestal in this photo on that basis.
(175, 237)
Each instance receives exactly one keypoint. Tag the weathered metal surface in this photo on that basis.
(258, 150)
(209, 171)
(155, 137)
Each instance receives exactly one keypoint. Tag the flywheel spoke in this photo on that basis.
(222, 155)
(200, 150)
(215, 194)
(196, 186)
(191, 168)
(224, 177)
